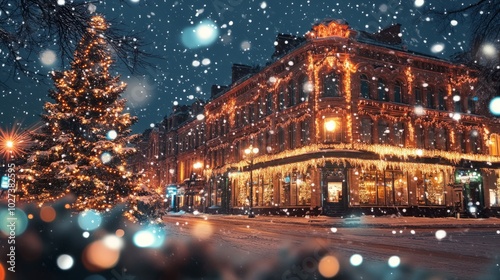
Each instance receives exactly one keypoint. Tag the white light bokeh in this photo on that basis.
(106, 157)
(419, 3)
(65, 262)
(48, 57)
(440, 234)
(437, 48)
(356, 260)
(201, 35)
(394, 261)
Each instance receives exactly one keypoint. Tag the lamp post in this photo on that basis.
(251, 152)
(197, 165)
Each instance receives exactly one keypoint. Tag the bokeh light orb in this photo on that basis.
(437, 48)
(97, 256)
(489, 50)
(494, 106)
(106, 157)
(113, 242)
(111, 135)
(47, 214)
(47, 57)
(328, 266)
(13, 222)
(394, 261)
(440, 234)
(151, 237)
(419, 3)
(202, 230)
(89, 220)
(356, 260)
(201, 35)
(65, 262)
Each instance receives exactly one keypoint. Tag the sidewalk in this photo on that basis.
(363, 221)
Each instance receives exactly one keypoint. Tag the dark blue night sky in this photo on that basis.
(244, 33)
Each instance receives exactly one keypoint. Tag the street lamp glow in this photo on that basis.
(251, 152)
(330, 125)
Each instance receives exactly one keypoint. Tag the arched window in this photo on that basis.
(364, 86)
(382, 90)
(441, 100)
(304, 90)
(397, 92)
(331, 85)
(365, 133)
(384, 132)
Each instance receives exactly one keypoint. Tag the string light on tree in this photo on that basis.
(83, 147)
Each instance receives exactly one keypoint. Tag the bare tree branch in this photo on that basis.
(29, 26)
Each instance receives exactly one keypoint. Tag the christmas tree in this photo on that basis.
(83, 146)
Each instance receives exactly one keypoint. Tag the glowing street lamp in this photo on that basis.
(251, 152)
(330, 125)
(197, 165)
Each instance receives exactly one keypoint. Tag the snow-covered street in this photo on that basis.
(448, 249)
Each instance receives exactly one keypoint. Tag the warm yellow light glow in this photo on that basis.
(330, 125)
(197, 165)
(9, 144)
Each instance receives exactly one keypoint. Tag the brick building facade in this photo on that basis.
(344, 121)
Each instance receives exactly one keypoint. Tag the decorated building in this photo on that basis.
(343, 121)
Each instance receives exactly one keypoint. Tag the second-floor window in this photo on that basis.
(441, 100)
(382, 90)
(304, 132)
(366, 131)
(429, 98)
(399, 134)
(281, 99)
(384, 132)
(418, 95)
(471, 105)
(269, 103)
(331, 85)
(397, 92)
(305, 89)
(364, 87)
(281, 139)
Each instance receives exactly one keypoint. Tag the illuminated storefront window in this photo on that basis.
(295, 190)
(430, 188)
(383, 188)
(367, 188)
